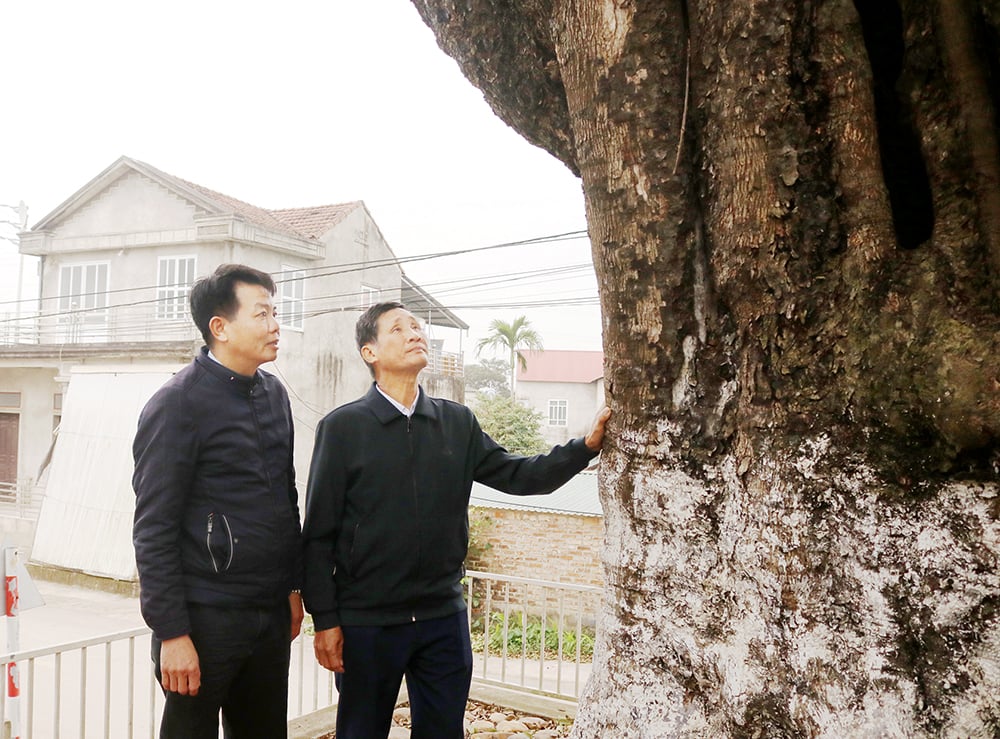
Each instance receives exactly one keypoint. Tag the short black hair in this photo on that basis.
(366, 329)
(215, 295)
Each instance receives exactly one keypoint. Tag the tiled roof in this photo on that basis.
(303, 223)
(554, 365)
(578, 497)
(314, 222)
(307, 223)
(252, 213)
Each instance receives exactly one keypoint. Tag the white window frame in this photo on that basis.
(291, 303)
(83, 309)
(370, 295)
(172, 295)
(556, 418)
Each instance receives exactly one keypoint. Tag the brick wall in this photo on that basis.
(546, 546)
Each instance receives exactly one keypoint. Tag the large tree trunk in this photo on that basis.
(794, 207)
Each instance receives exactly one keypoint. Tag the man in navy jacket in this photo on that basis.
(386, 534)
(216, 532)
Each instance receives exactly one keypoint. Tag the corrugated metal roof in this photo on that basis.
(421, 303)
(578, 497)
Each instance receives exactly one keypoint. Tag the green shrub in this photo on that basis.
(529, 638)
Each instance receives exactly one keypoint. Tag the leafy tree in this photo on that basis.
(489, 377)
(794, 210)
(512, 424)
(512, 338)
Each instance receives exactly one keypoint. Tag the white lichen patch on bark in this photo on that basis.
(968, 718)
(807, 593)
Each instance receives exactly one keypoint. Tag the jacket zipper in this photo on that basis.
(416, 497)
(208, 541)
(229, 539)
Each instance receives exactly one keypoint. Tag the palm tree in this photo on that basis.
(513, 337)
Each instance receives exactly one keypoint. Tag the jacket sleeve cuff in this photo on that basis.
(172, 630)
(326, 620)
(579, 447)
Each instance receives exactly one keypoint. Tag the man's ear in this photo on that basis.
(368, 354)
(217, 326)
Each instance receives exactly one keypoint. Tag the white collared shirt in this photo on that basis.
(399, 406)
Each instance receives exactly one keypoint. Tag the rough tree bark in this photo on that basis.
(794, 207)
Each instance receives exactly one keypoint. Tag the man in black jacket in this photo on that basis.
(386, 533)
(216, 532)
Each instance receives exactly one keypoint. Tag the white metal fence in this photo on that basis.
(531, 634)
(103, 687)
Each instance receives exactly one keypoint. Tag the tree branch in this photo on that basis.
(504, 48)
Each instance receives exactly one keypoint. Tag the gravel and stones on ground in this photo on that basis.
(486, 721)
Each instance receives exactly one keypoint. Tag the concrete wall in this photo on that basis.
(319, 363)
(550, 546)
(37, 387)
(583, 402)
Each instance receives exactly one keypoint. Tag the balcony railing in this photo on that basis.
(137, 323)
(103, 687)
(18, 328)
(17, 500)
(114, 324)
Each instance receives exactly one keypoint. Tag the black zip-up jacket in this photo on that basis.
(216, 510)
(386, 528)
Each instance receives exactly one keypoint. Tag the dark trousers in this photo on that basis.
(436, 658)
(243, 655)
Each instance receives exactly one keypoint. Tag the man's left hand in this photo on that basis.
(595, 439)
(295, 604)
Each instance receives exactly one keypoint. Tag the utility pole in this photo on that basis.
(21, 225)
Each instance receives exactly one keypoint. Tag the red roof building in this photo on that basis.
(566, 387)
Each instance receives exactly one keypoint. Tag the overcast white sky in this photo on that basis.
(293, 104)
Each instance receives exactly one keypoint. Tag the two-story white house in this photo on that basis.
(117, 260)
(566, 387)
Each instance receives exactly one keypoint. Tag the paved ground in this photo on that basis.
(87, 706)
(72, 613)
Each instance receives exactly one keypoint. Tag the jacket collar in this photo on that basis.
(385, 411)
(221, 372)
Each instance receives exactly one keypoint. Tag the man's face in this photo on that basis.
(251, 336)
(401, 346)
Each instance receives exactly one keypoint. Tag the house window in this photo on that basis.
(369, 296)
(10, 400)
(173, 283)
(292, 304)
(83, 301)
(557, 412)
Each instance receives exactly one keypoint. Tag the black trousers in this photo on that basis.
(243, 655)
(436, 658)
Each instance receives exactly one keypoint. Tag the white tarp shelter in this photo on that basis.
(85, 522)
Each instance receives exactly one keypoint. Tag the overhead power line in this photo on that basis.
(126, 322)
(344, 268)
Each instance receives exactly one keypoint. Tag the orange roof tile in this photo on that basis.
(553, 365)
(314, 222)
(307, 223)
